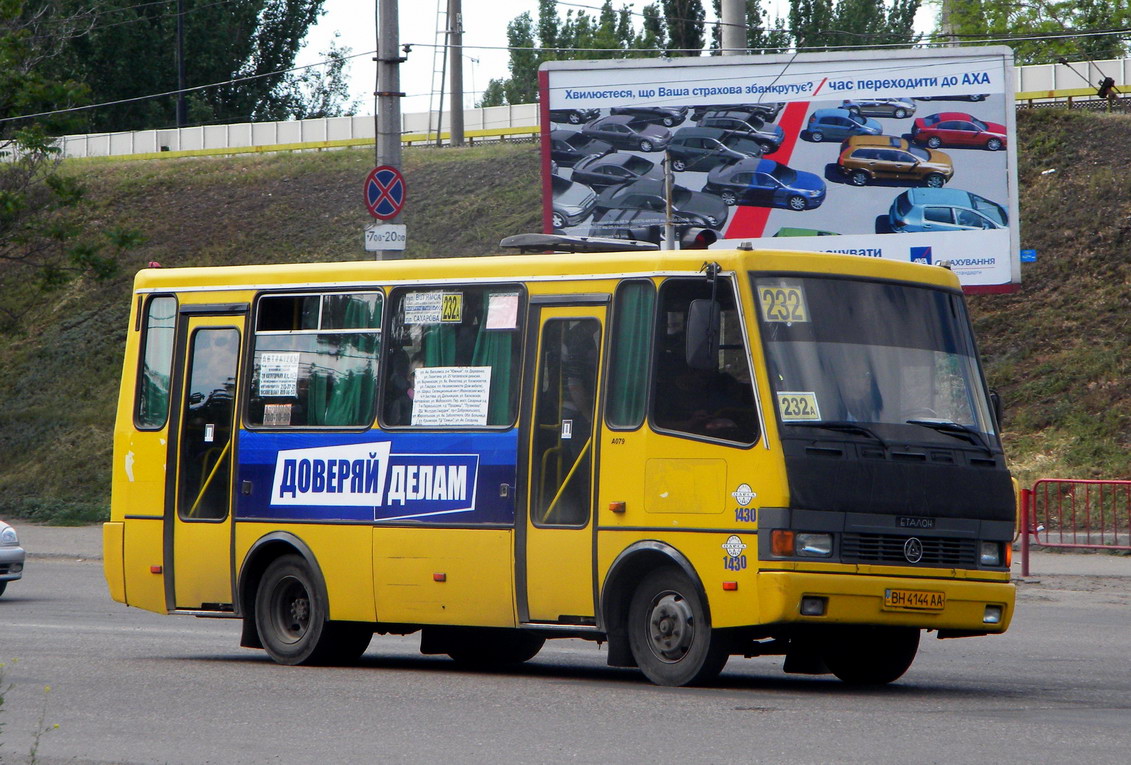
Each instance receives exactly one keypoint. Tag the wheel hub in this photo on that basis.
(671, 627)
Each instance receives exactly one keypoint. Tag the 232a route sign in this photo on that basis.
(384, 192)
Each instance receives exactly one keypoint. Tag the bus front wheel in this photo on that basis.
(291, 618)
(870, 655)
(670, 633)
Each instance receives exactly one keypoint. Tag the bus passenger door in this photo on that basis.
(198, 519)
(556, 554)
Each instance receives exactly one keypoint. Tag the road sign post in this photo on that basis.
(385, 193)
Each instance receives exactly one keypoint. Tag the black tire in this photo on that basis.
(490, 648)
(291, 618)
(797, 203)
(574, 118)
(817, 136)
(669, 121)
(994, 144)
(557, 220)
(859, 178)
(870, 655)
(934, 181)
(669, 631)
(730, 199)
(678, 165)
(3, 586)
(900, 114)
(934, 142)
(645, 145)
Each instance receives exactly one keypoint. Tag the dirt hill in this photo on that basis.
(1057, 350)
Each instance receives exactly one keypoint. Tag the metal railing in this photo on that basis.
(1075, 514)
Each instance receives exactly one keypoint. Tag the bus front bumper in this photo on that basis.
(954, 607)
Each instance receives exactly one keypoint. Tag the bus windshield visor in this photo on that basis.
(872, 352)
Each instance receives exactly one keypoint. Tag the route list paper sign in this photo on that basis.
(451, 396)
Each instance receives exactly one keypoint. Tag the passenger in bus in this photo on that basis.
(705, 402)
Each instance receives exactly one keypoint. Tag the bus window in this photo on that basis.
(715, 403)
(453, 357)
(315, 360)
(633, 309)
(157, 363)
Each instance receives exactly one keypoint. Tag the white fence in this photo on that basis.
(1030, 80)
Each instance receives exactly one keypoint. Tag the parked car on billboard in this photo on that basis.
(919, 209)
(668, 116)
(958, 129)
(770, 136)
(693, 206)
(620, 131)
(644, 226)
(701, 149)
(568, 147)
(865, 159)
(573, 202)
(574, 116)
(767, 111)
(837, 124)
(900, 108)
(614, 169)
(766, 183)
(975, 97)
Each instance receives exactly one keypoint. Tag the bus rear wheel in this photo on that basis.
(291, 618)
(670, 633)
(870, 655)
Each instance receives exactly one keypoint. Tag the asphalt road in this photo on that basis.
(133, 687)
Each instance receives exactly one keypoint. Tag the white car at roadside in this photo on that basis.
(11, 556)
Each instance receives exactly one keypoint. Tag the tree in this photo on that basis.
(319, 91)
(685, 21)
(130, 53)
(823, 23)
(41, 240)
(1040, 32)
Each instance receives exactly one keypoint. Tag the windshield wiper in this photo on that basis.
(956, 429)
(845, 426)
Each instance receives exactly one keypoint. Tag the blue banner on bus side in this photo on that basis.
(436, 478)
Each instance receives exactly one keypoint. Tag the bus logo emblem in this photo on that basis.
(734, 546)
(743, 494)
(913, 550)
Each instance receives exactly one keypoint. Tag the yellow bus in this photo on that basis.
(767, 453)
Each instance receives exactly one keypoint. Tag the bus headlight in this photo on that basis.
(990, 553)
(812, 545)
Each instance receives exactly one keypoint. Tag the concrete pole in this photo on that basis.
(389, 96)
(733, 18)
(455, 24)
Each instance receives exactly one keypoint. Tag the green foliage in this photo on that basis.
(824, 23)
(1041, 33)
(129, 53)
(685, 26)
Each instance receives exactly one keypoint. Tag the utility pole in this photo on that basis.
(455, 23)
(389, 95)
(733, 17)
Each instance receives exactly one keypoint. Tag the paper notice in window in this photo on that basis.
(502, 311)
(278, 374)
(451, 396)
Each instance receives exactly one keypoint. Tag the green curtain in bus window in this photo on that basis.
(632, 343)
(495, 348)
(153, 389)
(439, 346)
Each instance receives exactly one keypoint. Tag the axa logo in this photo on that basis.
(921, 255)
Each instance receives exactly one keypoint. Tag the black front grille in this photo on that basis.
(889, 548)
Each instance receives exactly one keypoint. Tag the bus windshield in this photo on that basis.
(875, 353)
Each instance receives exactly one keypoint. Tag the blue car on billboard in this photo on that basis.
(766, 183)
(838, 124)
(921, 209)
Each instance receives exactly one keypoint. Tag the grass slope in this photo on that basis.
(1057, 350)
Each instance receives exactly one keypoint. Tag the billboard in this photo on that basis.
(908, 154)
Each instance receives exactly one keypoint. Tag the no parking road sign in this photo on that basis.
(384, 192)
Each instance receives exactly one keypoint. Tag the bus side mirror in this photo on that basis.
(998, 408)
(702, 343)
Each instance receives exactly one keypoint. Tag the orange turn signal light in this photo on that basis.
(781, 543)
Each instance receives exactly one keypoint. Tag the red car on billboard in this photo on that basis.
(958, 129)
